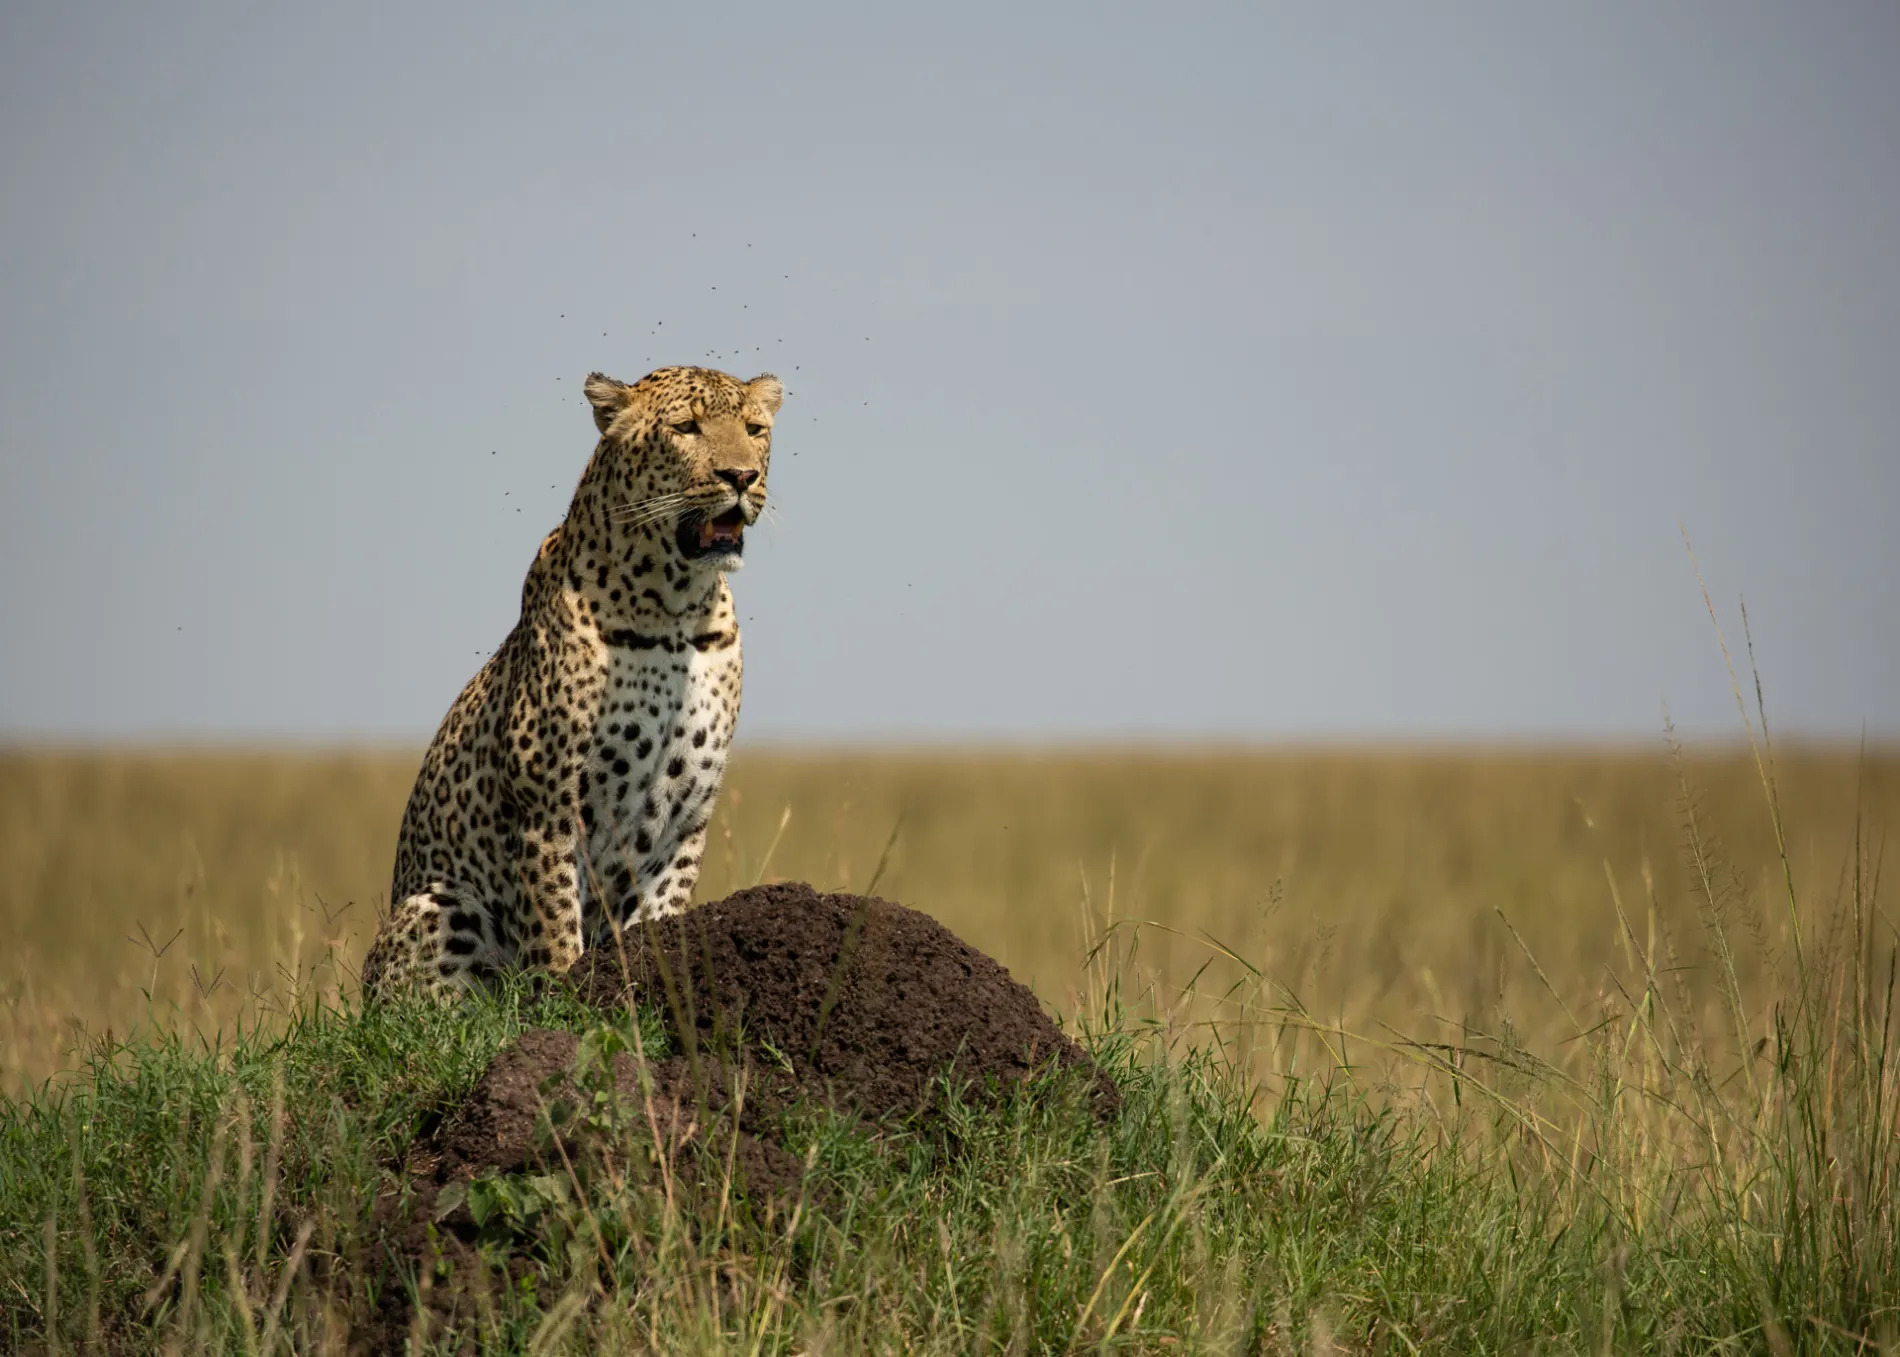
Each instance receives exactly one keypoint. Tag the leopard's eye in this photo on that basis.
(754, 430)
(687, 426)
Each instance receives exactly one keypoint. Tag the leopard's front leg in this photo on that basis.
(667, 886)
(545, 865)
(553, 896)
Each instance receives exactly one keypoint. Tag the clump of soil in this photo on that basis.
(504, 1125)
(530, 1114)
(848, 999)
(774, 996)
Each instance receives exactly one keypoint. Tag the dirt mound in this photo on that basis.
(774, 996)
(846, 998)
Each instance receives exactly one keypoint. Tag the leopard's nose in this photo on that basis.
(740, 478)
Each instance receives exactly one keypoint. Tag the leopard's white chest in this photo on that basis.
(655, 765)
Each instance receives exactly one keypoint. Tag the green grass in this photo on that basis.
(1621, 1195)
(140, 1196)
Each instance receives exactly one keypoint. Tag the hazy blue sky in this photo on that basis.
(1286, 371)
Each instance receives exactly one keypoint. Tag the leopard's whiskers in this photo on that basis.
(638, 513)
(639, 507)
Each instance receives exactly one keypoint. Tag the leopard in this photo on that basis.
(566, 795)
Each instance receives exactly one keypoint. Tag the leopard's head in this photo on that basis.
(685, 452)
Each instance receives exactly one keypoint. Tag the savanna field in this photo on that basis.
(1499, 1050)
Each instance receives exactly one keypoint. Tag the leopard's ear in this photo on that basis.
(608, 398)
(766, 390)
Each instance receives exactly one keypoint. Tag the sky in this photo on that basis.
(1252, 372)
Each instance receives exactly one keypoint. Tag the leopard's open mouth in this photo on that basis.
(721, 536)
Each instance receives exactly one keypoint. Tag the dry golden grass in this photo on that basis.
(1642, 1109)
(189, 887)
